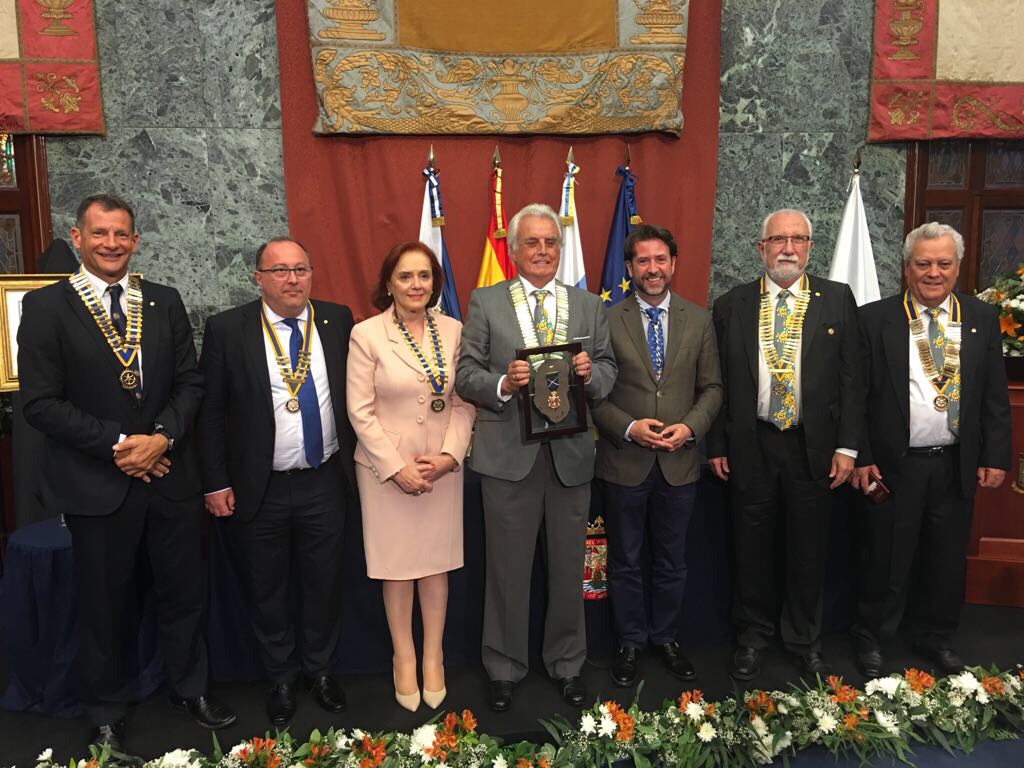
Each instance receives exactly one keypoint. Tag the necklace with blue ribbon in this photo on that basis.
(293, 378)
(125, 349)
(437, 374)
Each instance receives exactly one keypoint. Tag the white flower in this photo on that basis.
(694, 711)
(603, 709)
(1012, 681)
(179, 758)
(236, 750)
(981, 695)
(707, 732)
(358, 734)
(587, 723)
(965, 682)
(422, 739)
(826, 723)
(500, 762)
(341, 741)
(45, 756)
(784, 742)
(886, 685)
(887, 721)
(607, 727)
(782, 708)
(758, 725)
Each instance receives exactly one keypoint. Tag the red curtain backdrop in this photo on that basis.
(351, 198)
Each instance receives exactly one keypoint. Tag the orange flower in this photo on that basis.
(1008, 325)
(1021, 674)
(850, 721)
(760, 703)
(863, 712)
(687, 696)
(522, 762)
(1020, 270)
(273, 761)
(841, 693)
(993, 685)
(542, 762)
(919, 681)
(468, 721)
(709, 711)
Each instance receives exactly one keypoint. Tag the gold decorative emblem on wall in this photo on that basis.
(968, 111)
(350, 18)
(660, 17)
(903, 26)
(905, 108)
(56, 14)
(63, 92)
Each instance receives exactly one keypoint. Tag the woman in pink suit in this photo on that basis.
(413, 432)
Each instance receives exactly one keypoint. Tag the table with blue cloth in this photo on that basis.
(37, 615)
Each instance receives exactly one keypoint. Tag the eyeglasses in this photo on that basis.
(534, 242)
(281, 273)
(799, 241)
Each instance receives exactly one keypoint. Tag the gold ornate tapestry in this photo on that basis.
(492, 66)
(49, 74)
(947, 69)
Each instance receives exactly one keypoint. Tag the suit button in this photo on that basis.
(419, 419)
(422, 399)
(661, 393)
(421, 377)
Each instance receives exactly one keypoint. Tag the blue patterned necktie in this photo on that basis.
(937, 343)
(655, 340)
(541, 319)
(309, 404)
(117, 319)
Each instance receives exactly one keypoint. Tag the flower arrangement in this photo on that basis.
(884, 720)
(1007, 293)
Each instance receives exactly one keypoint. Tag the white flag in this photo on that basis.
(853, 261)
(570, 267)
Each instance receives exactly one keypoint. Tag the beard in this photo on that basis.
(785, 271)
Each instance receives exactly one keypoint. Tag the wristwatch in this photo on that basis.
(158, 429)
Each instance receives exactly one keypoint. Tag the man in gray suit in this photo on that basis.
(666, 396)
(532, 487)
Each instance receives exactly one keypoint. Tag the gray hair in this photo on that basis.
(763, 231)
(933, 230)
(534, 209)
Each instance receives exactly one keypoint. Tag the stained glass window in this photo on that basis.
(1004, 165)
(11, 253)
(1002, 244)
(947, 164)
(8, 177)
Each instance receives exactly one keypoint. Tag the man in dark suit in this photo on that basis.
(666, 395)
(786, 437)
(529, 487)
(277, 458)
(108, 374)
(938, 427)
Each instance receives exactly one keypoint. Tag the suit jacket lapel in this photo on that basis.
(812, 320)
(399, 345)
(896, 342)
(152, 330)
(256, 350)
(676, 327)
(749, 304)
(634, 325)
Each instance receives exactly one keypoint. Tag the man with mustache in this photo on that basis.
(786, 437)
(667, 393)
(938, 428)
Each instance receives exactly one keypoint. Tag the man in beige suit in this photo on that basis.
(668, 392)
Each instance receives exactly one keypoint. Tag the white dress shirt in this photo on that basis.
(928, 427)
(288, 446)
(100, 286)
(531, 302)
(646, 320)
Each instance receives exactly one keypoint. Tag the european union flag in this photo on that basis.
(615, 285)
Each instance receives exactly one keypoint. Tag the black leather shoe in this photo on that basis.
(109, 733)
(746, 663)
(204, 711)
(676, 663)
(501, 695)
(812, 665)
(281, 705)
(869, 662)
(623, 668)
(328, 693)
(573, 692)
(946, 660)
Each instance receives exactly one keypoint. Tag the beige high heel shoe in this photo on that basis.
(433, 699)
(410, 701)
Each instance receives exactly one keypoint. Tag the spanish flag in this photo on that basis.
(496, 264)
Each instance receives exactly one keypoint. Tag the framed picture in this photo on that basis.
(12, 291)
(553, 403)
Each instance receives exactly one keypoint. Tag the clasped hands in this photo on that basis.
(653, 434)
(142, 456)
(517, 375)
(420, 476)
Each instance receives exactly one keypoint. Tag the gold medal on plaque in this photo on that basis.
(551, 379)
(292, 405)
(941, 403)
(437, 404)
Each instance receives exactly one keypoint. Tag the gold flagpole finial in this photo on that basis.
(430, 158)
(496, 158)
(856, 159)
(569, 157)
(627, 157)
